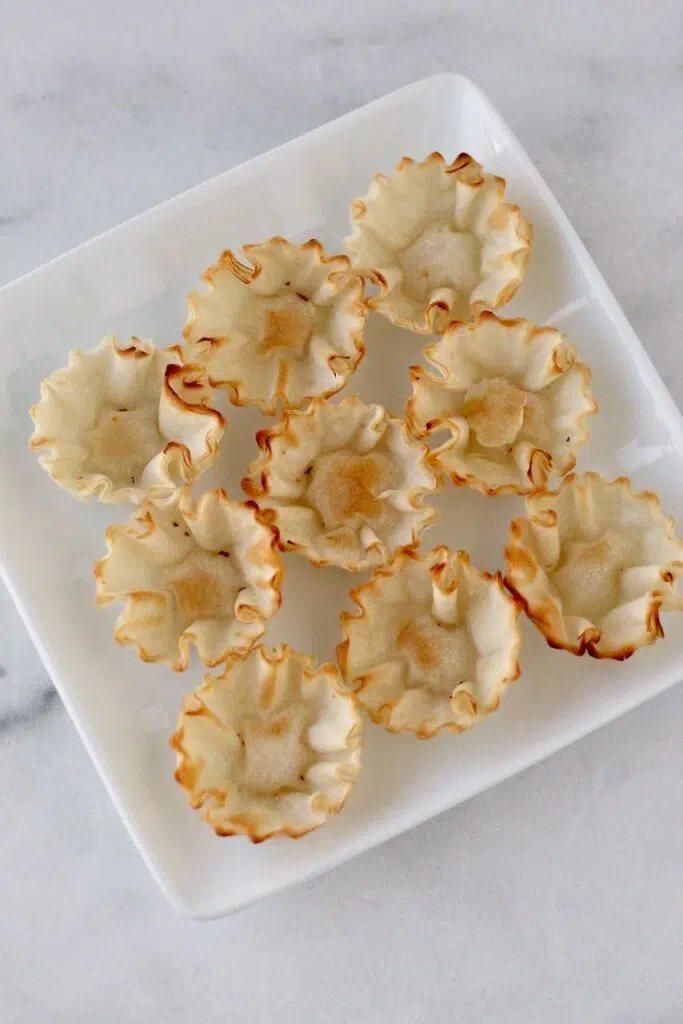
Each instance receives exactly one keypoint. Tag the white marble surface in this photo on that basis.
(555, 898)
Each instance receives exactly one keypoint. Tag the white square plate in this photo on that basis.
(134, 280)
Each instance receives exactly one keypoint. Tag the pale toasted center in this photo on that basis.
(441, 258)
(123, 441)
(439, 657)
(494, 409)
(288, 323)
(205, 586)
(275, 755)
(588, 578)
(346, 488)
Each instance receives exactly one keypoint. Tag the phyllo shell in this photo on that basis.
(207, 575)
(514, 399)
(287, 326)
(593, 564)
(126, 422)
(272, 747)
(440, 242)
(343, 483)
(433, 644)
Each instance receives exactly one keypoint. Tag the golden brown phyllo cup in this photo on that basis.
(433, 643)
(283, 328)
(206, 574)
(513, 399)
(439, 241)
(126, 422)
(593, 564)
(272, 747)
(343, 483)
